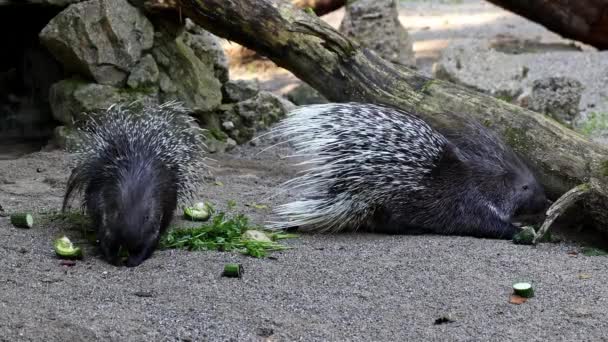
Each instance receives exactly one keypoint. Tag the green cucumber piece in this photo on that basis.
(523, 289)
(22, 220)
(255, 235)
(66, 250)
(199, 212)
(525, 236)
(233, 270)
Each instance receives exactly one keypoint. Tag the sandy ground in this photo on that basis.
(346, 287)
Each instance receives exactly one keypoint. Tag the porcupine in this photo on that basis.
(136, 163)
(381, 169)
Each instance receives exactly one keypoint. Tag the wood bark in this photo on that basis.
(582, 20)
(341, 71)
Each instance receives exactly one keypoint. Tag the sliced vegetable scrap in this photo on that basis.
(523, 289)
(233, 270)
(66, 250)
(199, 212)
(22, 220)
(255, 235)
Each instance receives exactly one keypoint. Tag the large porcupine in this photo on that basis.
(136, 162)
(382, 169)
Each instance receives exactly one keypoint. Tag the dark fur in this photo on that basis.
(470, 184)
(131, 179)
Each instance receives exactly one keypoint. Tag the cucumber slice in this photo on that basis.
(525, 236)
(199, 212)
(233, 270)
(523, 290)
(255, 235)
(22, 220)
(66, 250)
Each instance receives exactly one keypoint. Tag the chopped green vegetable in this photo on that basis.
(233, 270)
(255, 235)
(525, 237)
(65, 249)
(523, 290)
(223, 234)
(199, 212)
(258, 206)
(231, 204)
(591, 251)
(22, 220)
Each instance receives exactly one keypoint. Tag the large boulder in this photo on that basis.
(243, 119)
(207, 48)
(182, 75)
(100, 39)
(512, 74)
(375, 24)
(144, 74)
(240, 90)
(71, 98)
(557, 97)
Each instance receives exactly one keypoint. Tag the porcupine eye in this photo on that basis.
(525, 187)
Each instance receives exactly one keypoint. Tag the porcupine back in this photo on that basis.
(382, 169)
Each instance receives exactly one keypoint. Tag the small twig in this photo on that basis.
(560, 206)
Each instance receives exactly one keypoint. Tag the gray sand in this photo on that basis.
(328, 288)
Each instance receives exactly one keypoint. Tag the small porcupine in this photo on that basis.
(381, 169)
(135, 164)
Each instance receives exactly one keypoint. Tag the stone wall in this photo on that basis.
(97, 53)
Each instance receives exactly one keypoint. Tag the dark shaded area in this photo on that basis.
(582, 20)
(27, 70)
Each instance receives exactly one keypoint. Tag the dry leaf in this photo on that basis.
(515, 299)
(584, 276)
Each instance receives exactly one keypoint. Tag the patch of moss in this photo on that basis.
(505, 98)
(516, 138)
(310, 11)
(425, 88)
(604, 168)
(149, 90)
(217, 134)
(596, 121)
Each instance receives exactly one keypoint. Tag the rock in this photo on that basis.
(228, 125)
(240, 90)
(101, 39)
(64, 138)
(557, 97)
(476, 64)
(71, 98)
(375, 24)
(305, 95)
(183, 76)
(220, 146)
(144, 74)
(207, 48)
(255, 114)
(230, 144)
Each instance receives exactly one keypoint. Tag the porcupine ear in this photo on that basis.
(450, 162)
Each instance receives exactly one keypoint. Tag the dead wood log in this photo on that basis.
(334, 65)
